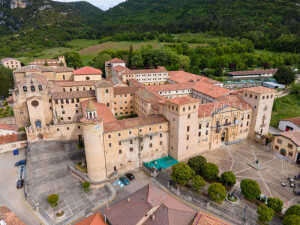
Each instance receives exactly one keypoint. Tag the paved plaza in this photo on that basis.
(48, 174)
(236, 157)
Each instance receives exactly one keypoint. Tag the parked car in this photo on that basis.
(130, 176)
(20, 183)
(124, 180)
(296, 191)
(21, 162)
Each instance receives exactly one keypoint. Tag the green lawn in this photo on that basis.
(285, 107)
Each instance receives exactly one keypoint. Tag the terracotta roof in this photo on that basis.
(102, 111)
(184, 77)
(69, 83)
(134, 208)
(158, 70)
(115, 81)
(295, 120)
(38, 68)
(115, 60)
(210, 89)
(72, 94)
(294, 136)
(206, 110)
(183, 100)
(34, 76)
(150, 96)
(205, 219)
(61, 69)
(9, 217)
(8, 127)
(95, 219)
(125, 90)
(134, 122)
(8, 59)
(170, 87)
(133, 82)
(260, 90)
(87, 71)
(252, 72)
(103, 83)
(120, 68)
(8, 139)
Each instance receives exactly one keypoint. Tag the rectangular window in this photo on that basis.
(120, 151)
(276, 147)
(290, 146)
(206, 132)
(290, 154)
(199, 134)
(279, 141)
(131, 149)
(207, 125)
(119, 134)
(129, 132)
(120, 143)
(150, 145)
(188, 128)
(160, 142)
(109, 145)
(200, 126)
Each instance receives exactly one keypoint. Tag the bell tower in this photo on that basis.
(93, 141)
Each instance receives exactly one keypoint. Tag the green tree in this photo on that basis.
(293, 210)
(285, 75)
(265, 213)
(291, 220)
(182, 173)
(130, 55)
(228, 178)
(6, 81)
(73, 59)
(275, 204)
(250, 189)
(217, 192)
(210, 171)
(100, 59)
(52, 199)
(198, 182)
(196, 163)
(184, 62)
(137, 60)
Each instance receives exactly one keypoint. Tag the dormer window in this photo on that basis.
(24, 88)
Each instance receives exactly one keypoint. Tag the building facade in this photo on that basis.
(11, 63)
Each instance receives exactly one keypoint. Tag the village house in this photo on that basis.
(11, 63)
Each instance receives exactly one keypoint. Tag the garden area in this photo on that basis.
(6, 111)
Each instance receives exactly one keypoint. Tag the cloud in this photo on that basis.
(102, 4)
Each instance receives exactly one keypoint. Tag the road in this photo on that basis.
(10, 196)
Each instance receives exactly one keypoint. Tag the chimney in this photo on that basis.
(128, 200)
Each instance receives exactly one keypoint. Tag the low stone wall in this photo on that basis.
(12, 146)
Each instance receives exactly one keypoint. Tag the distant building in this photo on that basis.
(8, 217)
(150, 205)
(11, 63)
(289, 124)
(273, 85)
(50, 62)
(87, 73)
(8, 129)
(94, 219)
(109, 65)
(252, 74)
(288, 144)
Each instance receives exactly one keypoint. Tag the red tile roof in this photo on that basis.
(5, 139)
(170, 87)
(295, 120)
(183, 100)
(253, 72)
(9, 217)
(210, 89)
(134, 123)
(115, 60)
(34, 76)
(294, 136)
(87, 71)
(134, 208)
(120, 68)
(72, 94)
(184, 77)
(69, 83)
(260, 90)
(102, 111)
(150, 96)
(125, 90)
(205, 219)
(8, 127)
(206, 110)
(95, 219)
(133, 82)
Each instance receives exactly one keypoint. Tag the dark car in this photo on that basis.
(296, 191)
(124, 180)
(20, 183)
(21, 162)
(130, 176)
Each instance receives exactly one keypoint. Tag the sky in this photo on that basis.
(102, 4)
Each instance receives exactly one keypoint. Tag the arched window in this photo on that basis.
(24, 88)
(32, 88)
(38, 124)
(40, 88)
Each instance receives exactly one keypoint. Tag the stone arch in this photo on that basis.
(225, 135)
(38, 124)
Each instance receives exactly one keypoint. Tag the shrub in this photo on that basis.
(182, 173)
(52, 199)
(250, 189)
(293, 210)
(265, 213)
(196, 163)
(228, 178)
(210, 171)
(217, 192)
(275, 204)
(291, 220)
(198, 182)
(86, 184)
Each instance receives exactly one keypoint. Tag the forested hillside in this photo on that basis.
(269, 24)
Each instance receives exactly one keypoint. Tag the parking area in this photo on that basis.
(10, 196)
(276, 170)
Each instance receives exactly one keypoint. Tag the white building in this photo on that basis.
(289, 124)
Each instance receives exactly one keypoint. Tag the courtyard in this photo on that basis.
(276, 170)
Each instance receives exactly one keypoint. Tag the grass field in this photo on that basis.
(285, 107)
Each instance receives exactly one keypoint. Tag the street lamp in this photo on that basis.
(245, 210)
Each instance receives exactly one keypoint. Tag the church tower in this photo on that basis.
(93, 141)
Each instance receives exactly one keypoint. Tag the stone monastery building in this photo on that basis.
(178, 113)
